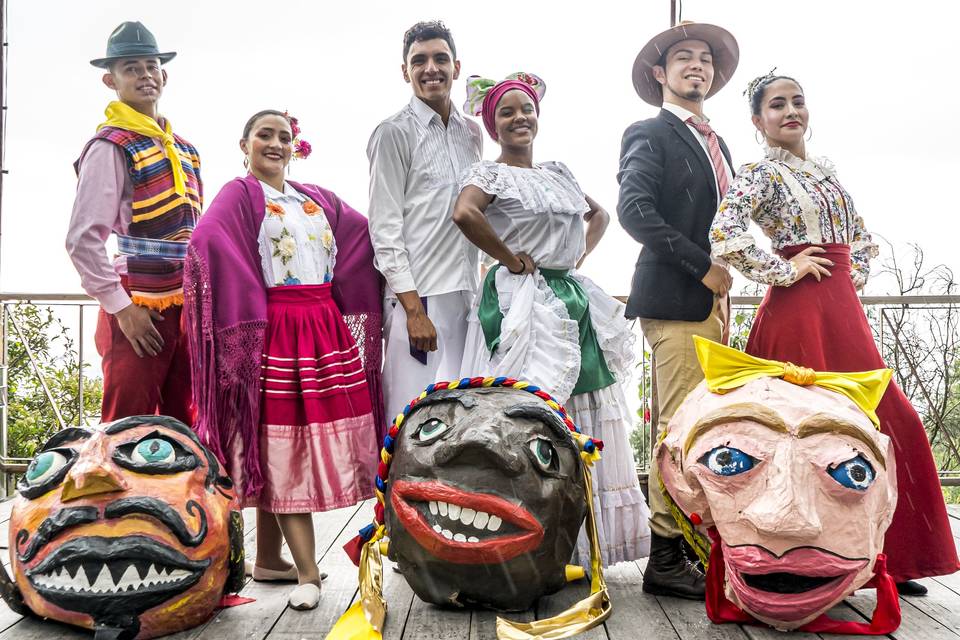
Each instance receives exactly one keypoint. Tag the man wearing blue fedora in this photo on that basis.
(141, 182)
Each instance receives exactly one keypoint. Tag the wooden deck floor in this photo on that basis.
(635, 615)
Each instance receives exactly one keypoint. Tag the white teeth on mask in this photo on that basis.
(443, 508)
(494, 523)
(438, 528)
(473, 539)
(453, 511)
(433, 507)
(467, 515)
(459, 537)
(102, 581)
(446, 533)
(480, 522)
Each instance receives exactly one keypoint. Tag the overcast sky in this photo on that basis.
(880, 83)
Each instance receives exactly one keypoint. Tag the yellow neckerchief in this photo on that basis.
(365, 618)
(725, 369)
(123, 116)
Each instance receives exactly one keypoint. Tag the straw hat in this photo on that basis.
(726, 55)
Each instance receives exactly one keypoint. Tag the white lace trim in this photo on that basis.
(548, 187)
(818, 166)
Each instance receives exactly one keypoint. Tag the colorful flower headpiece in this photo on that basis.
(758, 82)
(483, 95)
(301, 148)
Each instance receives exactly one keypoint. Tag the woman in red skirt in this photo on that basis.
(811, 315)
(284, 395)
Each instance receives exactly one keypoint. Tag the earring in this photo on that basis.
(758, 136)
(246, 163)
(809, 133)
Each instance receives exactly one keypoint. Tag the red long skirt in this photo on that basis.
(821, 325)
(318, 447)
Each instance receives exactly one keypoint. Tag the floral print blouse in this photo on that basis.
(296, 242)
(793, 201)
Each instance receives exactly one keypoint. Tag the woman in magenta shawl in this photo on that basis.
(283, 316)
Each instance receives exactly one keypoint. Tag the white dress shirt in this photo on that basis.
(683, 114)
(415, 166)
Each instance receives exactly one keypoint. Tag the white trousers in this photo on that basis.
(404, 377)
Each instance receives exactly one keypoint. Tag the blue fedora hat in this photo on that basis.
(132, 40)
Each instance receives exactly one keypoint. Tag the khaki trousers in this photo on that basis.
(676, 372)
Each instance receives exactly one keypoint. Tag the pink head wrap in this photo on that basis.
(484, 95)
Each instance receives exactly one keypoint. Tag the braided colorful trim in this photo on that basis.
(375, 530)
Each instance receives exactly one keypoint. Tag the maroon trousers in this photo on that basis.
(822, 326)
(151, 385)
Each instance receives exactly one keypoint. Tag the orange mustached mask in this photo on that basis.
(130, 528)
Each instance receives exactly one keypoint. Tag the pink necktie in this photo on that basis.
(716, 157)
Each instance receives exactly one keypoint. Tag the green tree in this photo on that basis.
(31, 418)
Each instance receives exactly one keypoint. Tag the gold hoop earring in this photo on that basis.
(809, 133)
(758, 136)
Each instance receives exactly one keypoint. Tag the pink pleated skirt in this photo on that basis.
(318, 448)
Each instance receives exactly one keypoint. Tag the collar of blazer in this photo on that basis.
(681, 129)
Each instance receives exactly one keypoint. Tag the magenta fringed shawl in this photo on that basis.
(225, 312)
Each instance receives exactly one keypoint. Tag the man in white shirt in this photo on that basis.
(416, 158)
(674, 169)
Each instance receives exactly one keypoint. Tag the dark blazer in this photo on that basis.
(667, 202)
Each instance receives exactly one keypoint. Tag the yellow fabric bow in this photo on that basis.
(726, 369)
(123, 116)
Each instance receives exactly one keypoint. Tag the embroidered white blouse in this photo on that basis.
(794, 202)
(538, 210)
(296, 242)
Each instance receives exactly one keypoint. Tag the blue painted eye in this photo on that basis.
(855, 473)
(45, 466)
(430, 430)
(727, 461)
(153, 450)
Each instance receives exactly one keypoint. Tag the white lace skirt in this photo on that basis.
(539, 343)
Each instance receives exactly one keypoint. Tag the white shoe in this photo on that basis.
(305, 596)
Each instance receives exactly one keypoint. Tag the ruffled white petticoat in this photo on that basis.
(540, 343)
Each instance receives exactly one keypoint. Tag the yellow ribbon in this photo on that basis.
(123, 116)
(583, 615)
(726, 369)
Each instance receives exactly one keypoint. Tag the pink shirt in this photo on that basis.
(103, 205)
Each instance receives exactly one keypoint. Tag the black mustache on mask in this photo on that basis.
(73, 516)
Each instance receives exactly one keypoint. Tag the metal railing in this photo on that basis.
(884, 326)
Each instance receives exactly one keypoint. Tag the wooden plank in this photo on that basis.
(940, 603)
(256, 619)
(953, 510)
(483, 622)
(36, 629)
(689, 620)
(430, 622)
(914, 624)
(755, 632)
(844, 611)
(338, 590)
(632, 608)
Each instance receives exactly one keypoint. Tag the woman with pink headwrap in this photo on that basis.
(536, 318)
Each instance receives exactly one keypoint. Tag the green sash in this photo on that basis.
(594, 373)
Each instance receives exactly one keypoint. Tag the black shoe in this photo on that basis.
(670, 573)
(911, 588)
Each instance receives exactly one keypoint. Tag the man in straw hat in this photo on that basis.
(673, 171)
(141, 182)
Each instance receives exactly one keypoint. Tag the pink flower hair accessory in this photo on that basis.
(301, 148)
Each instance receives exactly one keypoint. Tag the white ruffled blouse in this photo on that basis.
(296, 241)
(793, 201)
(538, 210)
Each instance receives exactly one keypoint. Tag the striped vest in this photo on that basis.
(156, 242)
